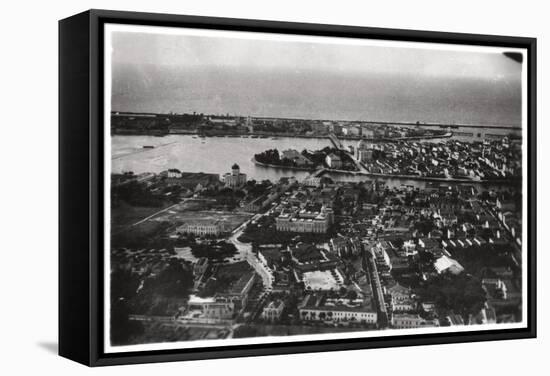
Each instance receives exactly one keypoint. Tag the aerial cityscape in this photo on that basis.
(228, 224)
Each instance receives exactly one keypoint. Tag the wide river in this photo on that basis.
(209, 154)
(217, 155)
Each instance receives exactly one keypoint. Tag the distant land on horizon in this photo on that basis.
(406, 123)
(310, 95)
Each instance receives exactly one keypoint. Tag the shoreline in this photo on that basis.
(421, 178)
(375, 122)
(324, 170)
(264, 135)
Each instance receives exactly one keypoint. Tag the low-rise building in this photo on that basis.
(364, 151)
(333, 161)
(315, 307)
(202, 227)
(201, 309)
(273, 311)
(401, 300)
(495, 288)
(298, 158)
(237, 293)
(447, 264)
(174, 173)
(410, 321)
(312, 182)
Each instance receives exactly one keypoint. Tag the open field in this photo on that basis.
(180, 214)
(126, 215)
(321, 280)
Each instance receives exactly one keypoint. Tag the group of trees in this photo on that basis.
(257, 188)
(217, 250)
(477, 259)
(283, 126)
(124, 285)
(273, 157)
(132, 124)
(134, 193)
(225, 197)
(176, 280)
(154, 295)
(460, 294)
(144, 235)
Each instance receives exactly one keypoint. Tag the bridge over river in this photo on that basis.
(336, 142)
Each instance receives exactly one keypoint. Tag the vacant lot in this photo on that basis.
(126, 215)
(321, 280)
(180, 214)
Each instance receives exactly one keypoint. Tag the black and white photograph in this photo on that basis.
(211, 187)
(265, 188)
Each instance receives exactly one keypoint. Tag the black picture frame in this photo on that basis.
(81, 181)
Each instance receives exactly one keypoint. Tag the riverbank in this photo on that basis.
(274, 135)
(411, 138)
(323, 171)
(419, 178)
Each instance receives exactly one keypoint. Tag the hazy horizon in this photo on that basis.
(162, 73)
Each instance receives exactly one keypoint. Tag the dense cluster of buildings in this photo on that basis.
(487, 160)
(409, 234)
(362, 254)
(222, 295)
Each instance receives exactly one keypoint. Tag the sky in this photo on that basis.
(294, 76)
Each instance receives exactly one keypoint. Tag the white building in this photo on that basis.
(273, 311)
(203, 227)
(401, 300)
(447, 264)
(364, 151)
(318, 222)
(203, 309)
(174, 173)
(409, 321)
(333, 161)
(315, 308)
(312, 182)
(234, 179)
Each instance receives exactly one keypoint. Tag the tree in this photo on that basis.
(122, 328)
(352, 295)
(124, 284)
(173, 281)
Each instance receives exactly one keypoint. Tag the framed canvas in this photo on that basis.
(234, 187)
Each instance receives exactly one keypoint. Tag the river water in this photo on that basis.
(217, 155)
(210, 154)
